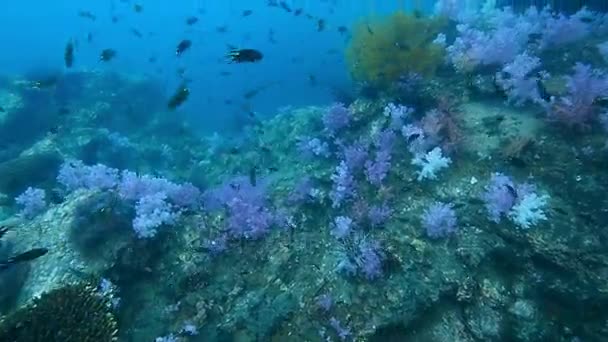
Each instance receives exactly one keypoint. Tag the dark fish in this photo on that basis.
(107, 55)
(542, 90)
(298, 12)
(2, 110)
(332, 51)
(225, 73)
(152, 59)
(369, 30)
(273, 169)
(89, 37)
(255, 91)
(412, 137)
(138, 8)
(511, 190)
(30, 255)
(3, 230)
(247, 13)
(221, 29)
(272, 3)
(183, 46)
(285, 6)
(312, 80)
(63, 111)
(342, 29)
(320, 25)
(244, 55)
(87, 15)
(179, 97)
(115, 19)
(234, 150)
(136, 33)
(253, 176)
(227, 102)
(68, 54)
(191, 20)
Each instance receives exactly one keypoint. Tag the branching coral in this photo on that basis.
(381, 53)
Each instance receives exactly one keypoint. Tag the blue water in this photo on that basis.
(34, 35)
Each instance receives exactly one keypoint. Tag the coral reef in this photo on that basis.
(382, 52)
(71, 313)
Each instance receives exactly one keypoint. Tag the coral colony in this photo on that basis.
(465, 178)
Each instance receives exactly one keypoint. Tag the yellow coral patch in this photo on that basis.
(381, 52)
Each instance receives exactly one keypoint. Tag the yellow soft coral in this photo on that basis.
(381, 52)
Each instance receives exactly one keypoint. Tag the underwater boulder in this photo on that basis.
(26, 170)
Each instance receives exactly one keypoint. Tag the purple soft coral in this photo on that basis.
(499, 197)
(32, 202)
(336, 118)
(439, 220)
(343, 185)
(584, 87)
(152, 211)
(369, 258)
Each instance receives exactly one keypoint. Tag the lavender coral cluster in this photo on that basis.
(249, 216)
(518, 202)
(157, 201)
(32, 202)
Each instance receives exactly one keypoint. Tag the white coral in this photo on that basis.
(431, 162)
(529, 211)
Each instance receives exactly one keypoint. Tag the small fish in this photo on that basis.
(271, 39)
(285, 6)
(115, 19)
(247, 13)
(320, 25)
(312, 80)
(152, 59)
(68, 54)
(369, 30)
(87, 15)
(3, 230)
(138, 8)
(511, 190)
(255, 91)
(225, 73)
(182, 47)
(2, 110)
(191, 20)
(30, 255)
(107, 55)
(542, 90)
(412, 137)
(136, 33)
(298, 12)
(342, 30)
(63, 111)
(253, 176)
(272, 3)
(180, 96)
(234, 150)
(221, 29)
(45, 82)
(273, 169)
(89, 37)
(244, 55)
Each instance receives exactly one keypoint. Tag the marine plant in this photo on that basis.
(71, 313)
(383, 51)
